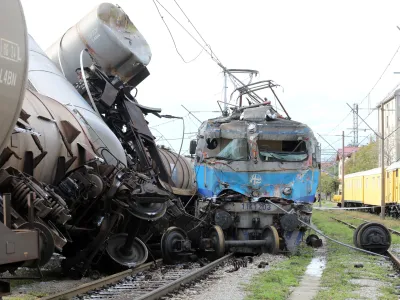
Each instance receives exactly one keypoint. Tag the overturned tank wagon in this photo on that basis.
(77, 155)
(252, 165)
(94, 70)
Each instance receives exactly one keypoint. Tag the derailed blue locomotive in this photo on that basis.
(250, 166)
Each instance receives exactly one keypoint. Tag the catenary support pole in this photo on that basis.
(343, 158)
(382, 163)
(319, 178)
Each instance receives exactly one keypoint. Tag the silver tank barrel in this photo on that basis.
(110, 37)
(45, 78)
(181, 171)
(13, 66)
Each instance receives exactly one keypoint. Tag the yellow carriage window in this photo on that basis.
(397, 172)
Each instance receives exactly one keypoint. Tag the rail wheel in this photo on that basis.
(46, 243)
(374, 237)
(218, 240)
(148, 211)
(355, 234)
(173, 245)
(270, 234)
(134, 256)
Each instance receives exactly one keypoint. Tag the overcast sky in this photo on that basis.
(324, 54)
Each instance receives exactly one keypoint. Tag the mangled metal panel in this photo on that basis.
(258, 114)
(48, 80)
(213, 180)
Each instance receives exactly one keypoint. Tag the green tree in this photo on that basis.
(364, 159)
(333, 169)
(329, 184)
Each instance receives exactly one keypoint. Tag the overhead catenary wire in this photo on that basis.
(167, 140)
(380, 77)
(172, 37)
(170, 121)
(341, 122)
(369, 93)
(213, 57)
(209, 50)
(194, 27)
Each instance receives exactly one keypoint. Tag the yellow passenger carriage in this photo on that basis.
(364, 188)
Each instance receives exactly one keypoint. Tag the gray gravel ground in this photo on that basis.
(222, 285)
(218, 285)
(52, 282)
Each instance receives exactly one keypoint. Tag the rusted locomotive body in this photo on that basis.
(253, 164)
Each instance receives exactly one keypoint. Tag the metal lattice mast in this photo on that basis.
(355, 124)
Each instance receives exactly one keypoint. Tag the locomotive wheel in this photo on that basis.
(374, 237)
(218, 240)
(271, 235)
(46, 243)
(137, 256)
(355, 234)
(168, 240)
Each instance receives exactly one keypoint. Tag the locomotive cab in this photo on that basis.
(252, 167)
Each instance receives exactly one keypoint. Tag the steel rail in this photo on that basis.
(390, 229)
(84, 288)
(168, 288)
(394, 259)
(391, 256)
(343, 222)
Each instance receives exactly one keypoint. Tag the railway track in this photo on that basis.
(390, 229)
(393, 257)
(147, 282)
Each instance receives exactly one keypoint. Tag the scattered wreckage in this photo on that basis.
(81, 174)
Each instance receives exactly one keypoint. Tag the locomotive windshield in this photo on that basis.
(291, 151)
(237, 149)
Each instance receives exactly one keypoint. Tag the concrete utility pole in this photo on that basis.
(382, 163)
(381, 136)
(319, 178)
(342, 169)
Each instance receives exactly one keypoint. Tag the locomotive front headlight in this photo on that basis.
(287, 191)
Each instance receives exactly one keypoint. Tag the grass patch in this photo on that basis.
(275, 283)
(326, 203)
(38, 294)
(18, 282)
(340, 270)
(32, 295)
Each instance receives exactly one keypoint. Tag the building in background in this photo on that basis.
(348, 152)
(391, 119)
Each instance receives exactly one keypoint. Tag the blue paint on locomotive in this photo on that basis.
(212, 181)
